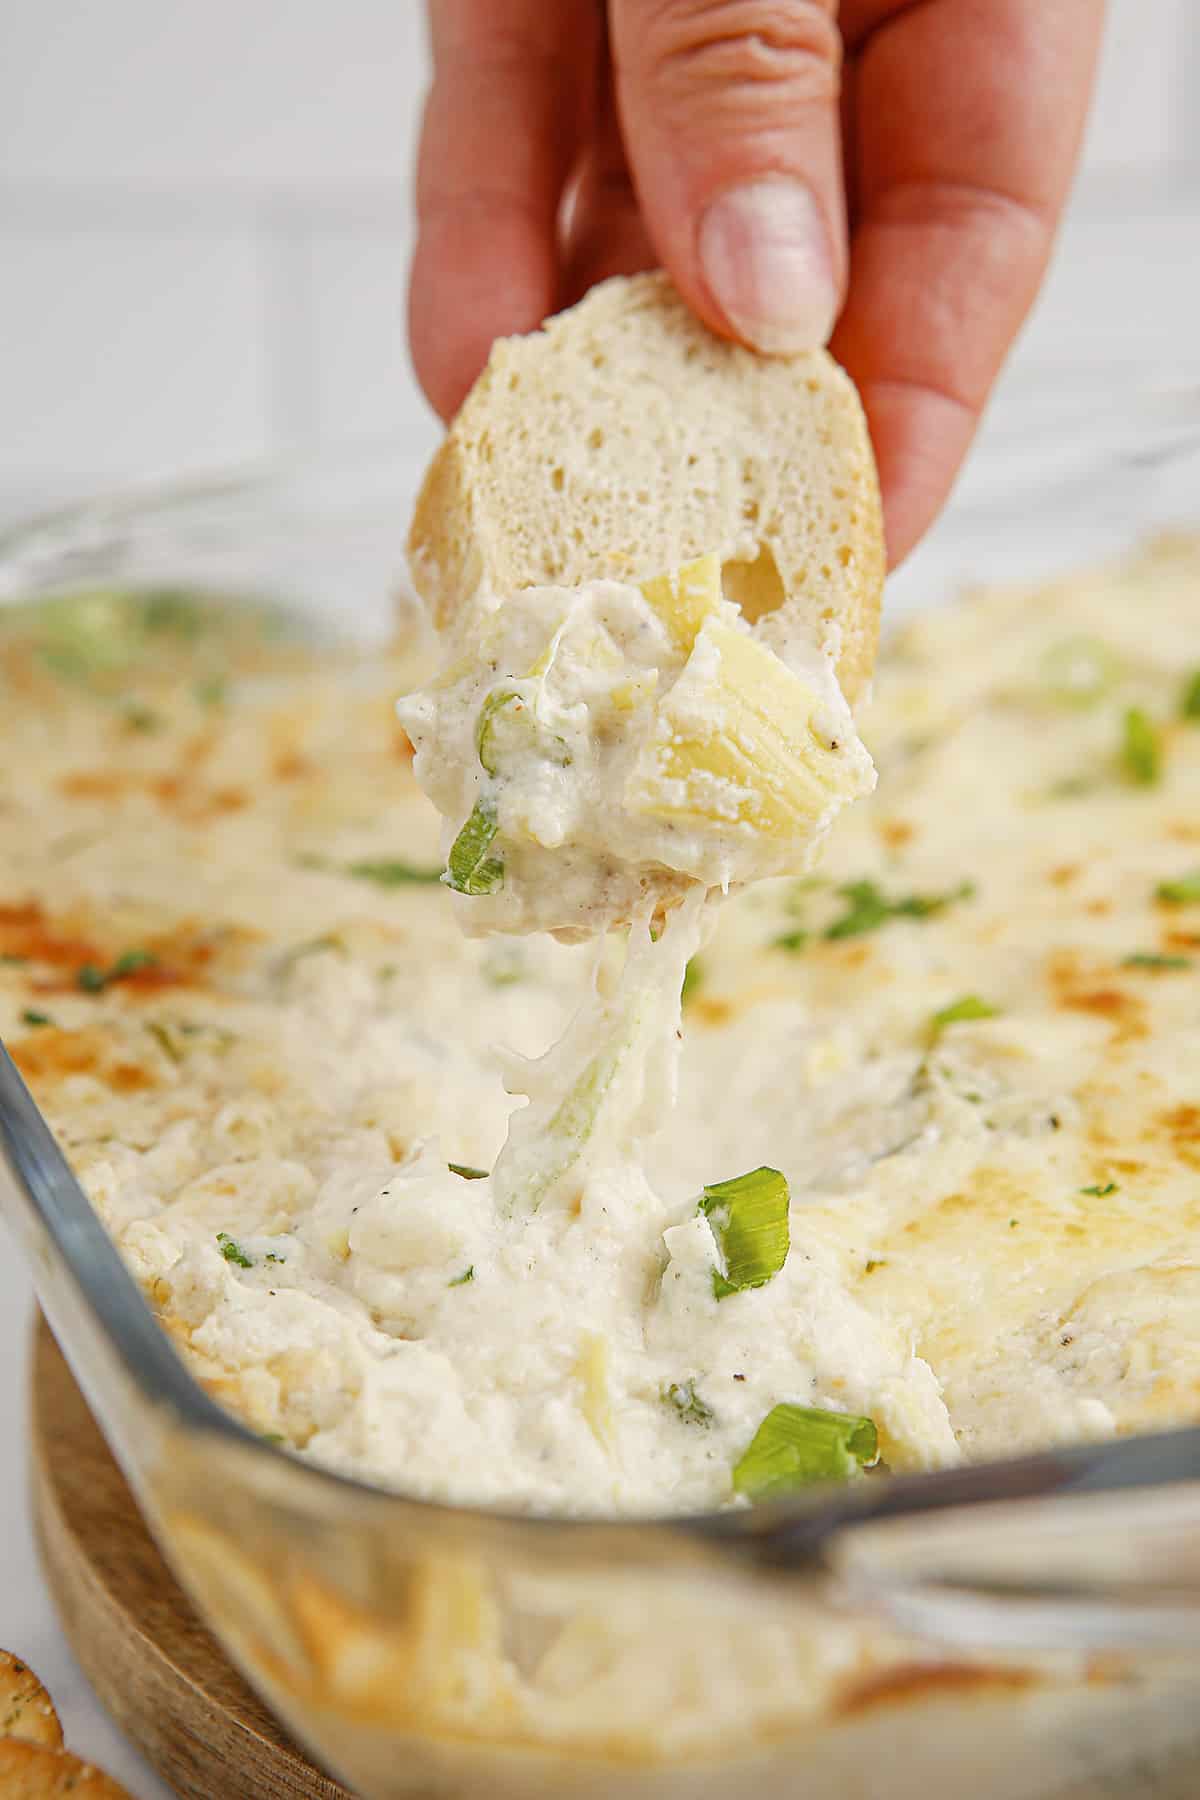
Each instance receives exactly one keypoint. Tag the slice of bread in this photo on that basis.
(623, 439)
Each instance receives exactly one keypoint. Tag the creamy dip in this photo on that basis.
(601, 748)
(971, 1043)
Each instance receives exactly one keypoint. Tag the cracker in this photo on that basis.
(26, 1709)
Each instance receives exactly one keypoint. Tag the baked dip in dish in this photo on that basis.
(233, 982)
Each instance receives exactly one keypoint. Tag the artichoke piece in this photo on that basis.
(737, 743)
(685, 599)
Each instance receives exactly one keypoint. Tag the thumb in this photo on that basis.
(729, 112)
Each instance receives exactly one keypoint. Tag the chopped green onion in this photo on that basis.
(749, 1219)
(391, 872)
(798, 1445)
(30, 1017)
(469, 868)
(1100, 1190)
(791, 940)
(1190, 704)
(485, 725)
(94, 980)
(1156, 959)
(969, 1007)
(504, 966)
(866, 910)
(868, 907)
(467, 1172)
(172, 610)
(1141, 752)
(310, 947)
(682, 1398)
(1183, 892)
(545, 1160)
(490, 729)
(211, 690)
(468, 1274)
(131, 962)
(693, 979)
(1071, 787)
(141, 718)
(232, 1251)
(1079, 671)
(575, 1116)
(271, 1257)
(166, 1040)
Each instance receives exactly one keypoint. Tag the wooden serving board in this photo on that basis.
(152, 1663)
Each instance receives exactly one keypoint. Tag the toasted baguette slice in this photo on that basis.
(624, 439)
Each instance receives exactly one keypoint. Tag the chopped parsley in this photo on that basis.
(868, 907)
(1189, 705)
(1100, 1190)
(467, 1172)
(1185, 891)
(685, 1402)
(969, 1007)
(391, 872)
(232, 1251)
(1141, 752)
(468, 1274)
(94, 980)
(31, 1017)
(1156, 959)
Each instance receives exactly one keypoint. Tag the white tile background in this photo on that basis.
(205, 221)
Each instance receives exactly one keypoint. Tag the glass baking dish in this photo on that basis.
(1012, 1630)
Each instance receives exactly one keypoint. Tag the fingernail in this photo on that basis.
(765, 256)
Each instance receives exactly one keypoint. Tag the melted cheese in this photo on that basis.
(995, 1225)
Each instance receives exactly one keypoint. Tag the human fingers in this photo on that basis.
(729, 113)
(967, 119)
(606, 233)
(500, 132)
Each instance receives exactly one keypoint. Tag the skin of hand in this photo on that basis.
(884, 176)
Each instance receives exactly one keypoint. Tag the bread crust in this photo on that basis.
(623, 439)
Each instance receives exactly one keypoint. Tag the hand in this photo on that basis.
(890, 172)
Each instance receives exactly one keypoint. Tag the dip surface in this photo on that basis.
(971, 1043)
